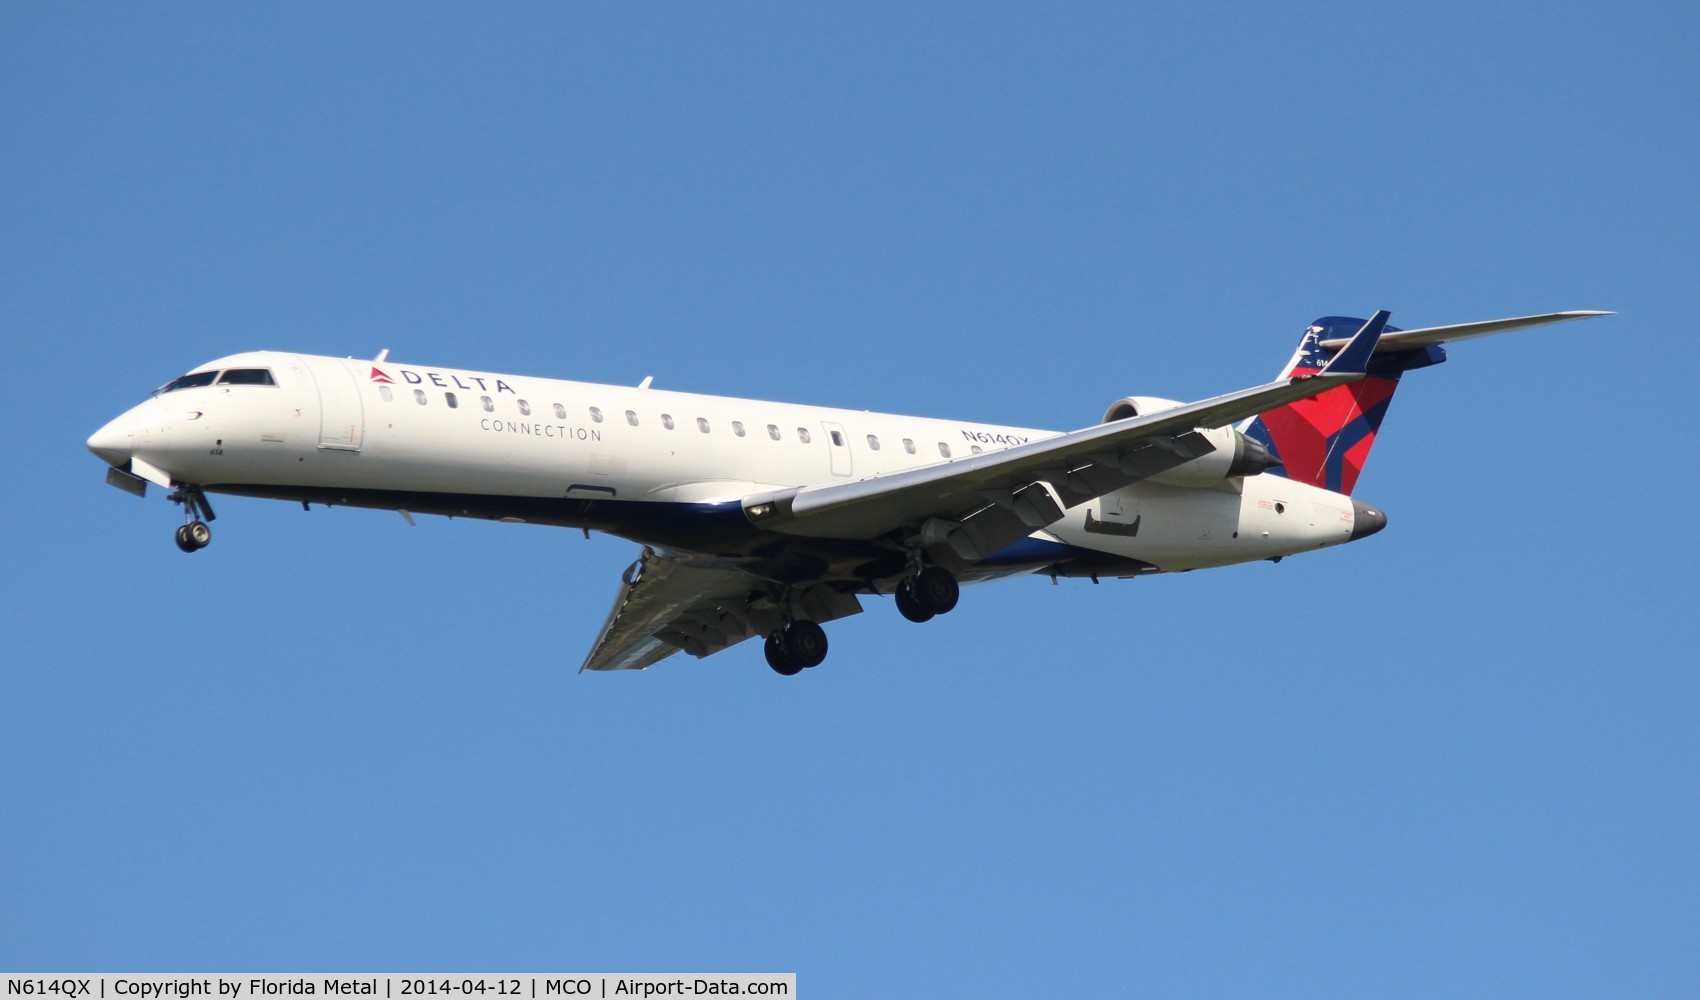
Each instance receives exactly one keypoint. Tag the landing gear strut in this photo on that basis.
(796, 646)
(932, 591)
(193, 536)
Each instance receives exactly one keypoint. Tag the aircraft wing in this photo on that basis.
(666, 605)
(984, 502)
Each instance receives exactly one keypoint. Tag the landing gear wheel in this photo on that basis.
(909, 607)
(935, 590)
(193, 536)
(777, 658)
(805, 643)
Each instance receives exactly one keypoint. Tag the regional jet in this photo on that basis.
(766, 519)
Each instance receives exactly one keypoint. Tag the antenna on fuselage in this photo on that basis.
(382, 355)
(647, 379)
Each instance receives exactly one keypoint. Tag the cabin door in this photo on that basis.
(341, 415)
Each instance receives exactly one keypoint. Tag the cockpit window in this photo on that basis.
(247, 376)
(195, 381)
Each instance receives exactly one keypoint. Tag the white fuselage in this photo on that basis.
(437, 440)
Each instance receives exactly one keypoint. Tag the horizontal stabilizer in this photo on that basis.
(1405, 340)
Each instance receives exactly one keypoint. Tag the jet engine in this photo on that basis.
(1234, 454)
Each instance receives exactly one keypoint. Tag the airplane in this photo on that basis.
(766, 519)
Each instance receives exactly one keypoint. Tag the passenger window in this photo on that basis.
(560, 412)
(773, 431)
(631, 417)
(524, 408)
(738, 427)
(873, 443)
(976, 449)
(384, 391)
(419, 396)
(489, 407)
(803, 434)
(702, 424)
(837, 440)
(944, 449)
(667, 420)
(909, 446)
(449, 398)
(247, 376)
(595, 414)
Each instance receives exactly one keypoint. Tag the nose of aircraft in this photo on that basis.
(111, 444)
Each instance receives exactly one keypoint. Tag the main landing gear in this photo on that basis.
(195, 535)
(796, 646)
(932, 591)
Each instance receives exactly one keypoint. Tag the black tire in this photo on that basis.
(198, 533)
(183, 541)
(805, 643)
(936, 590)
(909, 607)
(777, 658)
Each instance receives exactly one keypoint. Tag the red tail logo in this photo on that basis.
(1325, 440)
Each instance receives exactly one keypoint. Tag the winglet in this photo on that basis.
(1353, 359)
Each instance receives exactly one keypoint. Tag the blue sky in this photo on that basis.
(1455, 759)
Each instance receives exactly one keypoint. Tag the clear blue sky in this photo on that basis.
(1456, 759)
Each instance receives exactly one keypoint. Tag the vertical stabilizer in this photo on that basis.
(1325, 440)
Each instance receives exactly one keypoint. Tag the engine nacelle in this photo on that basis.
(1235, 454)
(1137, 406)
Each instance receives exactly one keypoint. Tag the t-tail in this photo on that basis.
(1326, 439)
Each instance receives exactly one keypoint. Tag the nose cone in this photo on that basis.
(111, 444)
(1366, 520)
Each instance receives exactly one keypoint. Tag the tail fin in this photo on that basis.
(1325, 440)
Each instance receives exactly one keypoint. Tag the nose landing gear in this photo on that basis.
(194, 535)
